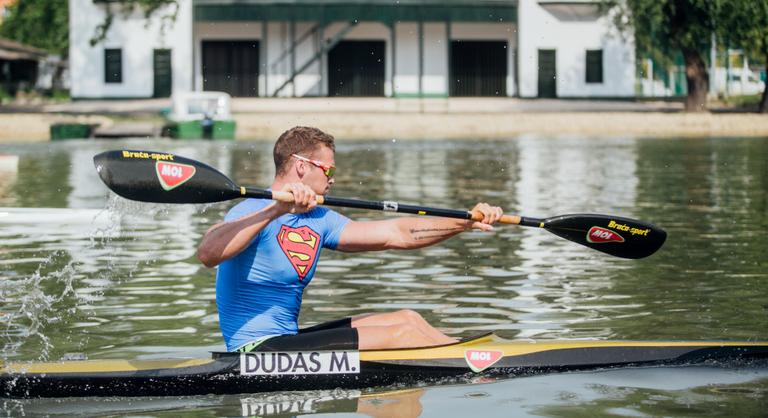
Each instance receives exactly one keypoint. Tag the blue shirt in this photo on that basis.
(259, 291)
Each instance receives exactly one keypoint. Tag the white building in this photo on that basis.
(406, 48)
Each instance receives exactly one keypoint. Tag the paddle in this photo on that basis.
(166, 178)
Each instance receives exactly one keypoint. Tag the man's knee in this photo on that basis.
(401, 331)
(410, 316)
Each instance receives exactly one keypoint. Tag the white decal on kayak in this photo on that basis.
(479, 360)
(299, 362)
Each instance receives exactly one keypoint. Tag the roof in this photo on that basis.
(572, 10)
(12, 50)
(393, 3)
(359, 10)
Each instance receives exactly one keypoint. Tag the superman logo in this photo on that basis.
(300, 245)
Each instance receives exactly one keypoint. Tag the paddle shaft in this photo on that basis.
(389, 206)
(166, 178)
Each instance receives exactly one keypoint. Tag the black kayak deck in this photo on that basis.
(230, 373)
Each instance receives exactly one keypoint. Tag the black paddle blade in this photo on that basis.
(161, 177)
(621, 237)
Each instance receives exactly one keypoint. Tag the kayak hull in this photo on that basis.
(231, 373)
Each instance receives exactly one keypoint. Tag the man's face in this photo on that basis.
(314, 176)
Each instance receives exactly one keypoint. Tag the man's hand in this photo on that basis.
(491, 214)
(304, 198)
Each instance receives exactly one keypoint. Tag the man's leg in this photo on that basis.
(405, 328)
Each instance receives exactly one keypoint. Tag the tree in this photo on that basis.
(744, 24)
(40, 23)
(669, 26)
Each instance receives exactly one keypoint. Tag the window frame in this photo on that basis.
(592, 74)
(110, 75)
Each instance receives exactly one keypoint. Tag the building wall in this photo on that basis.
(436, 55)
(492, 32)
(220, 31)
(310, 82)
(313, 80)
(137, 41)
(365, 31)
(539, 29)
(434, 62)
(536, 29)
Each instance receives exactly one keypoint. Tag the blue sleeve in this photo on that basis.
(335, 225)
(246, 207)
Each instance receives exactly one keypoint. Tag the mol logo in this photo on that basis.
(479, 360)
(173, 175)
(600, 235)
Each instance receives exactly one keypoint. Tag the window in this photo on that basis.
(595, 66)
(113, 65)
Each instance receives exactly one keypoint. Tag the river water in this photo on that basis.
(84, 271)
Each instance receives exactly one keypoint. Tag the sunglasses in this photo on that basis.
(328, 169)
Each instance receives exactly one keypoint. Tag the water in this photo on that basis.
(116, 279)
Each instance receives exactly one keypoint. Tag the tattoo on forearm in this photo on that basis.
(431, 233)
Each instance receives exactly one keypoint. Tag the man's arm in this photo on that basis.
(412, 232)
(227, 239)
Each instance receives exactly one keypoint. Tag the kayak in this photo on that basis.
(268, 371)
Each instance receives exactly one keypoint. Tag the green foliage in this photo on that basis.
(4, 96)
(741, 102)
(40, 23)
(662, 28)
(126, 7)
(744, 24)
(60, 95)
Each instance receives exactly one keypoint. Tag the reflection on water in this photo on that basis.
(112, 278)
(404, 403)
(625, 392)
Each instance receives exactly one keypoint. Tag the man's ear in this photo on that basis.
(301, 168)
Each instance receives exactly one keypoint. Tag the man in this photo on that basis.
(267, 253)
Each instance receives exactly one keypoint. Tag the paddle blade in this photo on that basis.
(621, 237)
(160, 177)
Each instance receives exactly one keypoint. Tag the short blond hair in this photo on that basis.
(299, 140)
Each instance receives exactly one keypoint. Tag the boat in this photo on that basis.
(200, 114)
(267, 371)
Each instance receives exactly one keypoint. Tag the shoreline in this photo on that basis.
(505, 126)
(387, 119)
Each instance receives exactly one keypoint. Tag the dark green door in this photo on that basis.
(231, 67)
(163, 76)
(547, 73)
(478, 68)
(356, 68)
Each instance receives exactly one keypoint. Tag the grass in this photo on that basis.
(741, 102)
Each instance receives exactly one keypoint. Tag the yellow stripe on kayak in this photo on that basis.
(487, 342)
(517, 348)
(100, 366)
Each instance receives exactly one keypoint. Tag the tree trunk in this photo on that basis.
(764, 102)
(698, 81)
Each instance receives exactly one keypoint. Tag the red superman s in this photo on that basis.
(300, 245)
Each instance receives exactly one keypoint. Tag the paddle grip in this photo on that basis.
(287, 197)
(505, 219)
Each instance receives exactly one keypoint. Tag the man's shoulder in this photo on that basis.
(320, 212)
(246, 207)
